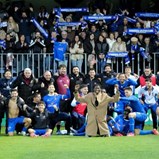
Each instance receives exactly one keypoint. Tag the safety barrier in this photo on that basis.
(39, 62)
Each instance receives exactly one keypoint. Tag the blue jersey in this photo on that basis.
(123, 124)
(134, 103)
(126, 83)
(51, 100)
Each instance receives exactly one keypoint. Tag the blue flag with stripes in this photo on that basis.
(40, 28)
(3, 44)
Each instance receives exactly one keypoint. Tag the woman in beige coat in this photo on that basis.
(97, 103)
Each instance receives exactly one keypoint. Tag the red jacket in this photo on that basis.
(142, 80)
(80, 108)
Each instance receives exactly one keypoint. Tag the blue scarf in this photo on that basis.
(40, 28)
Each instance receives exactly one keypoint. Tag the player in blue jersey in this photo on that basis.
(52, 101)
(124, 124)
(122, 81)
(138, 113)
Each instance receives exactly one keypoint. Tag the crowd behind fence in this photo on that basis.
(40, 62)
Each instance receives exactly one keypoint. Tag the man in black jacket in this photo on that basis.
(75, 77)
(40, 122)
(24, 83)
(91, 80)
(43, 83)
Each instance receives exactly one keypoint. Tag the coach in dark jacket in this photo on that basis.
(24, 83)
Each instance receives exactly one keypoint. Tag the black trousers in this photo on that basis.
(61, 116)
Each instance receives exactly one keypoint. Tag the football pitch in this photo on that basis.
(71, 147)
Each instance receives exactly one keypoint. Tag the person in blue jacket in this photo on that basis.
(122, 81)
(52, 102)
(138, 113)
(124, 125)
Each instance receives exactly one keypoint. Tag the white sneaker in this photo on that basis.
(23, 133)
(58, 133)
(63, 132)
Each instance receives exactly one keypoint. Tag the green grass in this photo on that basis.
(70, 147)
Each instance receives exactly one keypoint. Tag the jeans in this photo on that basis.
(78, 63)
(49, 62)
(101, 64)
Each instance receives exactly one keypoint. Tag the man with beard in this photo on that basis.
(75, 77)
(107, 74)
(97, 103)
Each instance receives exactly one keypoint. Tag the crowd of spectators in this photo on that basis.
(95, 38)
(28, 94)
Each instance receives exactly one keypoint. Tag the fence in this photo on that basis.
(39, 62)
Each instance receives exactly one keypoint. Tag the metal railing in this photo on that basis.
(40, 62)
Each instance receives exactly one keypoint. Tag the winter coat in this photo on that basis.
(24, 90)
(97, 114)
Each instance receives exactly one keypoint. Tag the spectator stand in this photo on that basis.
(59, 24)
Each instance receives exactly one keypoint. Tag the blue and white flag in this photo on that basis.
(147, 15)
(83, 25)
(109, 17)
(116, 54)
(59, 51)
(71, 9)
(143, 53)
(127, 60)
(58, 14)
(131, 31)
(119, 54)
(40, 28)
(131, 20)
(3, 44)
(68, 23)
(3, 24)
(156, 26)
